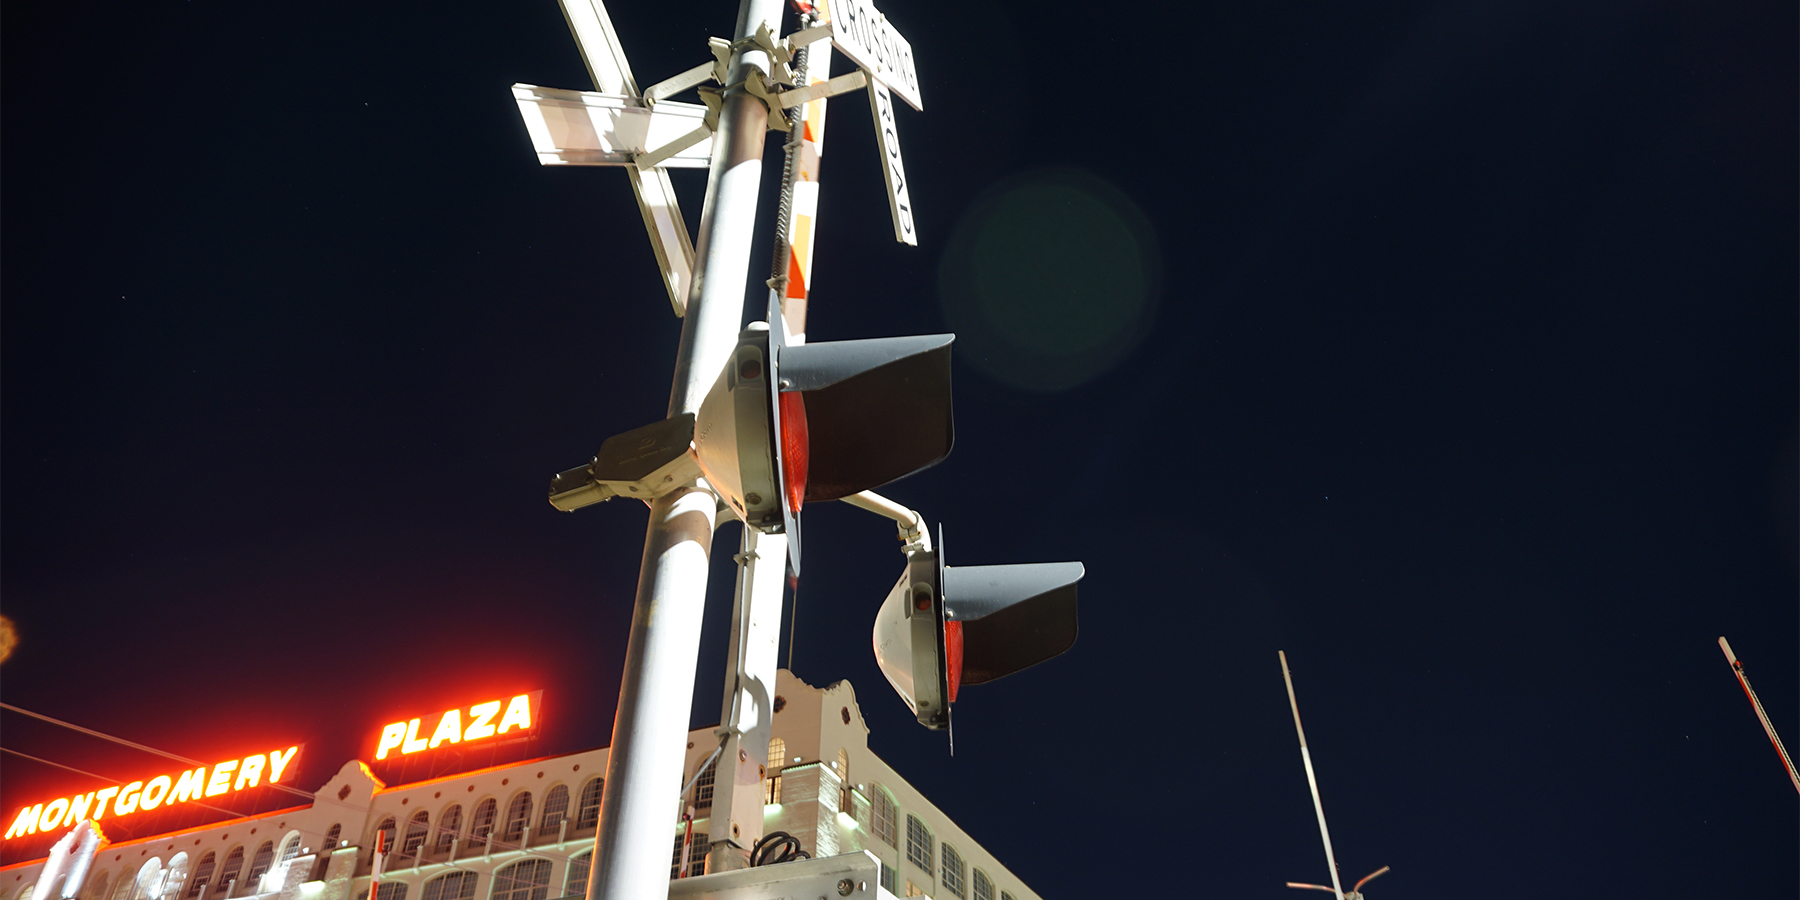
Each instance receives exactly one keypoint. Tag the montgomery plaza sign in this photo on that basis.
(228, 777)
(516, 715)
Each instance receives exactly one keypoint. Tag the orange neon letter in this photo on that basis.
(53, 813)
(278, 762)
(449, 728)
(391, 736)
(413, 742)
(27, 821)
(192, 786)
(128, 799)
(518, 714)
(483, 715)
(251, 771)
(221, 780)
(78, 807)
(100, 802)
(155, 791)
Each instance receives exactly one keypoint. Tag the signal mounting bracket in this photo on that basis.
(645, 462)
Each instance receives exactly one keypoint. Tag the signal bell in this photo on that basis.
(786, 424)
(943, 627)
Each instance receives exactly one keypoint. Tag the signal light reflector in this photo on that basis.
(794, 448)
(953, 647)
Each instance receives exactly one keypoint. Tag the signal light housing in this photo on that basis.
(787, 424)
(943, 627)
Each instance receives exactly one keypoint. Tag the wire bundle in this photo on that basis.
(777, 847)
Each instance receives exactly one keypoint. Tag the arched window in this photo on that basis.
(290, 849)
(415, 834)
(955, 873)
(919, 843)
(777, 754)
(703, 786)
(589, 814)
(881, 815)
(482, 826)
(384, 836)
(578, 874)
(527, 879)
(984, 886)
(696, 854)
(122, 891)
(331, 837)
(203, 874)
(517, 814)
(843, 764)
(26, 891)
(556, 810)
(449, 826)
(149, 881)
(259, 864)
(234, 863)
(1005, 896)
(174, 878)
(391, 890)
(96, 888)
(454, 886)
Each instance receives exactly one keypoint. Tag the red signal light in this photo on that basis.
(794, 448)
(953, 655)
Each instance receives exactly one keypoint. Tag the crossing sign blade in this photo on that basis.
(892, 169)
(599, 45)
(611, 71)
(589, 128)
(865, 35)
(668, 232)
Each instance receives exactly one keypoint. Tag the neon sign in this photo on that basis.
(228, 777)
(485, 720)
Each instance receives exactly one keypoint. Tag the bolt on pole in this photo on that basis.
(644, 766)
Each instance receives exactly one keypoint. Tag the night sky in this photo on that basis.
(1449, 346)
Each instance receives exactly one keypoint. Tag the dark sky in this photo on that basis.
(1449, 346)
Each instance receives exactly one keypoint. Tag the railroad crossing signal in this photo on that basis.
(787, 423)
(943, 627)
(767, 423)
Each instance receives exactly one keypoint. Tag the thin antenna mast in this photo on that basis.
(1337, 888)
(1737, 668)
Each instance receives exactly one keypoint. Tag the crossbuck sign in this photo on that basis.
(862, 33)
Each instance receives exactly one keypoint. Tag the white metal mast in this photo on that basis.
(642, 130)
(644, 767)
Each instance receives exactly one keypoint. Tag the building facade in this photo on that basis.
(524, 831)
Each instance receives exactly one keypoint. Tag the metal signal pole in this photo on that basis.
(644, 767)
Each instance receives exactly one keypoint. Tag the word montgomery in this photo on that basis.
(142, 796)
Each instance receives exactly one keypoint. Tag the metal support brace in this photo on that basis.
(748, 708)
(830, 88)
(913, 532)
(693, 77)
(807, 35)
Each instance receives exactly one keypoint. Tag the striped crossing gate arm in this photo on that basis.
(801, 226)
